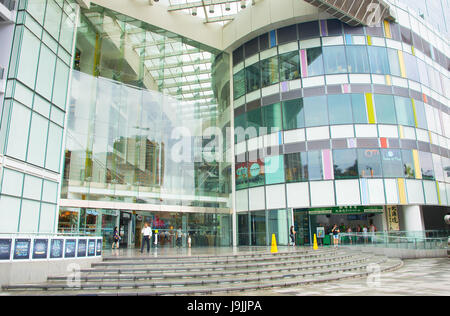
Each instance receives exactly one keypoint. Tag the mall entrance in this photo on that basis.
(320, 221)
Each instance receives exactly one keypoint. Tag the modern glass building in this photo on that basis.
(230, 120)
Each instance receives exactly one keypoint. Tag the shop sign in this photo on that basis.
(346, 210)
(393, 220)
(111, 212)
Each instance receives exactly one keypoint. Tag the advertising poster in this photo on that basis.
(99, 247)
(56, 248)
(82, 244)
(40, 249)
(22, 249)
(393, 218)
(320, 232)
(91, 247)
(70, 248)
(5, 249)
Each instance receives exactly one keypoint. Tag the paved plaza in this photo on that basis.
(421, 277)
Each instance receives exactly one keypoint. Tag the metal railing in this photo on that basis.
(74, 233)
(402, 239)
(9, 4)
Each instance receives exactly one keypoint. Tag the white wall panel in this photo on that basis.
(347, 192)
(293, 136)
(342, 131)
(257, 200)
(322, 193)
(430, 192)
(316, 133)
(242, 200)
(391, 189)
(275, 196)
(414, 190)
(297, 194)
(376, 191)
(390, 131)
(366, 130)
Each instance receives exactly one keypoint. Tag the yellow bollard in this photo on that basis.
(315, 247)
(274, 248)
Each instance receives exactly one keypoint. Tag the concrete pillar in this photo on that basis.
(412, 218)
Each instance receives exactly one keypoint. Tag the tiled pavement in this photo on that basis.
(424, 277)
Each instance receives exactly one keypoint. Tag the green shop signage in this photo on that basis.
(347, 210)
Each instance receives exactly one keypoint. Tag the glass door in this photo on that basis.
(243, 230)
(302, 227)
(258, 228)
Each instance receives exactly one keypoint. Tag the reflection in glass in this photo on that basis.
(289, 66)
(315, 165)
(334, 59)
(340, 109)
(293, 114)
(378, 58)
(369, 163)
(316, 113)
(385, 109)
(296, 167)
(392, 163)
(269, 71)
(345, 164)
(253, 77)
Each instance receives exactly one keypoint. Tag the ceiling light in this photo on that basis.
(211, 9)
(227, 6)
(194, 11)
(243, 4)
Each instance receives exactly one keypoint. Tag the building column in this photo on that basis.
(412, 218)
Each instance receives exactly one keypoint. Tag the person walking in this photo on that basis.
(146, 237)
(179, 237)
(116, 238)
(292, 235)
(335, 232)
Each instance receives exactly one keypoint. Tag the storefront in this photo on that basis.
(320, 221)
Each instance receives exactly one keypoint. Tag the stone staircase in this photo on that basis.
(209, 274)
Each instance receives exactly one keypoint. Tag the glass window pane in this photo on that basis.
(274, 169)
(404, 110)
(369, 164)
(394, 63)
(241, 176)
(420, 114)
(46, 72)
(53, 19)
(253, 77)
(67, 32)
(296, 167)
(315, 165)
(28, 59)
(37, 9)
(340, 109)
(289, 66)
(358, 61)
(345, 164)
(334, 59)
(12, 182)
(272, 117)
(293, 114)
(61, 83)
(379, 63)
(316, 113)
(50, 191)
(385, 109)
(408, 164)
(412, 71)
(315, 61)
(239, 84)
(269, 71)
(426, 165)
(255, 173)
(254, 119)
(359, 109)
(392, 163)
(38, 140)
(53, 155)
(32, 188)
(18, 131)
(423, 72)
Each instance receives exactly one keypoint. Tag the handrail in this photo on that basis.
(411, 240)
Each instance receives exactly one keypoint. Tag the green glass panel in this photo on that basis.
(274, 169)
(269, 71)
(345, 164)
(289, 66)
(293, 114)
(316, 112)
(340, 109)
(385, 109)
